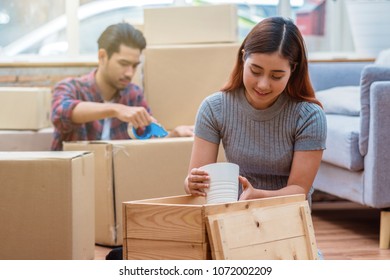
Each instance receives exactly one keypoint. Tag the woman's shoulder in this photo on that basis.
(313, 107)
(306, 106)
(215, 96)
(214, 103)
(221, 97)
(310, 110)
(214, 99)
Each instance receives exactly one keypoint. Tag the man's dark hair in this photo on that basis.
(121, 33)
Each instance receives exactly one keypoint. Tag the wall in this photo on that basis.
(40, 74)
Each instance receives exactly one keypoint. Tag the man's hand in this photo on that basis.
(182, 131)
(136, 116)
(91, 111)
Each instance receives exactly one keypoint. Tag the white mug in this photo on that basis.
(223, 185)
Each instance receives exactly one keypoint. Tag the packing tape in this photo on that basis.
(154, 130)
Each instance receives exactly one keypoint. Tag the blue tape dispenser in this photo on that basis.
(154, 130)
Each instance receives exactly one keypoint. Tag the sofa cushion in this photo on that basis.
(370, 74)
(343, 100)
(342, 143)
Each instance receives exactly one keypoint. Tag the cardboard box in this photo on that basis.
(132, 170)
(184, 227)
(191, 24)
(138, 77)
(26, 140)
(25, 107)
(46, 205)
(178, 78)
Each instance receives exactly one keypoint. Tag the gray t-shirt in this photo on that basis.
(261, 142)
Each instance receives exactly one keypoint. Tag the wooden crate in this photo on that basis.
(184, 227)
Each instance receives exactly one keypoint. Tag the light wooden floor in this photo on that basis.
(347, 231)
(344, 231)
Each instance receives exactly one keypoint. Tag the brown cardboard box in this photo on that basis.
(191, 24)
(132, 170)
(178, 78)
(184, 227)
(46, 205)
(26, 140)
(24, 107)
(138, 78)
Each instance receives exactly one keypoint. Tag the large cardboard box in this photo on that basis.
(184, 227)
(25, 107)
(191, 24)
(178, 78)
(46, 205)
(132, 170)
(26, 140)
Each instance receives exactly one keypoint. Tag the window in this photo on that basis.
(47, 36)
(39, 27)
(18, 18)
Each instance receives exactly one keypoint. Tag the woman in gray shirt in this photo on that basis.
(266, 116)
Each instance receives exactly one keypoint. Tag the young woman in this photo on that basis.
(267, 117)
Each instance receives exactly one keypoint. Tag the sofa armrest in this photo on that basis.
(324, 75)
(377, 161)
(370, 74)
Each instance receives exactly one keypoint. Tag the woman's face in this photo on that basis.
(265, 78)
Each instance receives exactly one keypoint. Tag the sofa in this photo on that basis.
(356, 163)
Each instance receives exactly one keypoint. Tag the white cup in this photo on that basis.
(223, 185)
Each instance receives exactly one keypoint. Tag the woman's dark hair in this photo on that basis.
(121, 33)
(277, 34)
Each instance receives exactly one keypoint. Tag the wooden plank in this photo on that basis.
(212, 230)
(384, 232)
(259, 227)
(124, 228)
(285, 249)
(165, 222)
(141, 249)
(262, 225)
(220, 243)
(309, 232)
(214, 209)
(172, 200)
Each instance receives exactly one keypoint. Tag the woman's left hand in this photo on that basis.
(248, 191)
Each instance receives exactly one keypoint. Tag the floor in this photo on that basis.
(347, 231)
(344, 231)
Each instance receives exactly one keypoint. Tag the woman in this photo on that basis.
(267, 117)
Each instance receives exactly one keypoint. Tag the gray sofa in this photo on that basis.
(356, 163)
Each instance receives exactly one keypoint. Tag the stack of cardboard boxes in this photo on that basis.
(190, 53)
(46, 198)
(56, 205)
(25, 119)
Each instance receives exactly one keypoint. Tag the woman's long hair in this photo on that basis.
(277, 34)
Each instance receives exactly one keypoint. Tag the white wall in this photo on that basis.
(370, 25)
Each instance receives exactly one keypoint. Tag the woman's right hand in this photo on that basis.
(196, 182)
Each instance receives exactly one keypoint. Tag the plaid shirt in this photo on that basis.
(70, 92)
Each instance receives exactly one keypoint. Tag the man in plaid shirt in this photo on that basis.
(101, 104)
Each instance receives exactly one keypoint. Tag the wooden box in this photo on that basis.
(184, 227)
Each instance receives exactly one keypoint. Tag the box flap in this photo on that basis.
(45, 155)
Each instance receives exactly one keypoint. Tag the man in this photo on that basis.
(100, 105)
